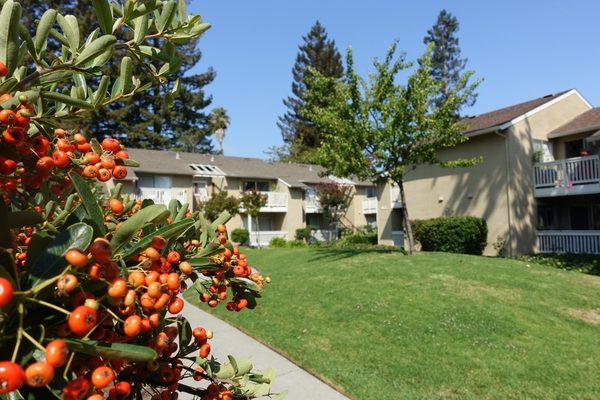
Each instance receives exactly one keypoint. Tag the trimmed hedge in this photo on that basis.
(466, 235)
(359, 238)
(240, 236)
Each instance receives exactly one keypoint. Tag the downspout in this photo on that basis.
(508, 204)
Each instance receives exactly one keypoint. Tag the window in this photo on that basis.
(157, 181)
(261, 186)
(201, 189)
(546, 217)
(372, 220)
(542, 151)
(205, 169)
(371, 192)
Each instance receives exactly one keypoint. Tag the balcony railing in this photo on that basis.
(312, 205)
(396, 201)
(398, 238)
(370, 205)
(276, 202)
(576, 242)
(262, 238)
(578, 175)
(162, 196)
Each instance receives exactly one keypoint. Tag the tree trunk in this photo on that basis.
(408, 228)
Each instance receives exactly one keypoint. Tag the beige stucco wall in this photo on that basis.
(355, 214)
(520, 163)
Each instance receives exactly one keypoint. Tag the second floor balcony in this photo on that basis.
(162, 195)
(369, 205)
(567, 177)
(276, 202)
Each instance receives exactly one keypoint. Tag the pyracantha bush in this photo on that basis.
(92, 283)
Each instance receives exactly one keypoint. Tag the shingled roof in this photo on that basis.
(178, 163)
(588, 121)
(499, 117)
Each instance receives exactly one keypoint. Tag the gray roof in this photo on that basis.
(177, 163)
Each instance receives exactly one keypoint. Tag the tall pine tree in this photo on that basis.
(447, 64)
(150, 119)
(300, 135)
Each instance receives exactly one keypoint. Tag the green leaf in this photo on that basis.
(104, 13)
(144, 8)
(247, 283)
(17, 219)
(166, 16)
(127, 162)
(70, 29)
(182, 11)
(221, 220)
(129, 228)
(7, 85)
(168, 231)
(95, 48)
(100, 93)
(111, 351)
(90, 203)
(126, 74)
(43, 29)
(52, 259)
(9, 34)
(208, 250)
(140, 29)
(66, 99)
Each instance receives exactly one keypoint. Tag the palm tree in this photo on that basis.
(219, 120)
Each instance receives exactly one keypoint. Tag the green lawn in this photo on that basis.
(431, 326)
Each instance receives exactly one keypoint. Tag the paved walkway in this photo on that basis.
(228, 340)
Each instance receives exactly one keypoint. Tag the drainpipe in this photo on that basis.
(509, 208)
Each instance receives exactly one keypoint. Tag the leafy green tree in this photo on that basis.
(218, 203)
(447, 65)
(334, 200)
(300, 135)
(157, 118)
(379, 129)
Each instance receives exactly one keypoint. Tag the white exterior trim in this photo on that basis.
(284, 182)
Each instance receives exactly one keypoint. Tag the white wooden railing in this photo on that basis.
(262, 238)
(567, 172)
(398, 238)
(312, 204)
(323, 235)
(396, 201)
(162, 196)
(370, 205)
(577, 242)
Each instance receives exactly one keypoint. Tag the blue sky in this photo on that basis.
(522, 49)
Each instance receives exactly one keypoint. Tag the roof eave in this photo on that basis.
(554, 135)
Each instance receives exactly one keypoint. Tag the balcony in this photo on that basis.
(262, 238)
(575, 242)
(162, 195)
(312, 205)
(396, 201)
(369, 205)
(567, 177)
(276, 202)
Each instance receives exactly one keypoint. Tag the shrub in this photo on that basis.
(304, 234)
(358, 238)
(586, 263)
(218, 203)
(278, 242)
(296, 243)
(240, 236)
(84, 290)
(459, 234)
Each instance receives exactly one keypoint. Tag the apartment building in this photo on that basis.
(538, 186)
(292, 200)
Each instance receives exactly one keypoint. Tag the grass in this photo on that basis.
(433, 326)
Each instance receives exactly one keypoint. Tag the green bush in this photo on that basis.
(278, 242)
(304, 234)
(358, 238)
(586, 263)
(296, 243)
(459, 234)
(240, 236)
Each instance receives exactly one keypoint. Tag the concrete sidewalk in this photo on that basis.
(228, 340)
